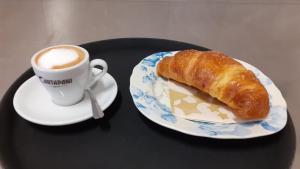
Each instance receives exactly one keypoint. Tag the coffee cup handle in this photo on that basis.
(97, 76)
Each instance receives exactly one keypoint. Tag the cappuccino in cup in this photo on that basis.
(59, 57)
(65, 71)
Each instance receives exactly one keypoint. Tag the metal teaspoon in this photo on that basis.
(96, 109)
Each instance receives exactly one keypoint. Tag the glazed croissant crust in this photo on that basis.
(221, 77)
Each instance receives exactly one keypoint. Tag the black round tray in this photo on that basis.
(125, 139)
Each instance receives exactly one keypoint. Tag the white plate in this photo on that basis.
(33, 103)
(146, 89)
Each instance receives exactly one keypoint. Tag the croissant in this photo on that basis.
(221, 77)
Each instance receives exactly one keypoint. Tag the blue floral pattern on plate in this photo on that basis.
(142, 83)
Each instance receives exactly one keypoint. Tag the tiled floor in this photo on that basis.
(265, 33)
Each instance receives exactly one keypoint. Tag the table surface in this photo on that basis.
(265, 33)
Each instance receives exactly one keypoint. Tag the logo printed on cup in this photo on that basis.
(56, 83)
(65, 71)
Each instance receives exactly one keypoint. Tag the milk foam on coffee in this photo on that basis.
(57, 57)
(60, 57)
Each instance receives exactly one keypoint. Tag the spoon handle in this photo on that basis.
(96, 109)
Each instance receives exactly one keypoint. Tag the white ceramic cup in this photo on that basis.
(67, 86)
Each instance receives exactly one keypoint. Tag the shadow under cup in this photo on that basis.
(66, 85)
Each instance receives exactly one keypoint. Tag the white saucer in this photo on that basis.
(33, 103)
